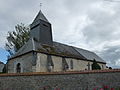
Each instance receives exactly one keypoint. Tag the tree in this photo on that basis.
(16, 39)
(95, 65)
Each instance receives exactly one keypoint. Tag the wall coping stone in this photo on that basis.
(62, 73)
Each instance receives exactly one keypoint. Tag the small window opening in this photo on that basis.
(89, 66)
(18, 68)
(45, 25)
(71, 64)
(65, 64)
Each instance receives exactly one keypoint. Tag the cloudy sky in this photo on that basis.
(88, 24)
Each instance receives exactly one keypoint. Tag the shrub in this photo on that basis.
(95, 65)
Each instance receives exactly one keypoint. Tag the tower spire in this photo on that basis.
(41, 29)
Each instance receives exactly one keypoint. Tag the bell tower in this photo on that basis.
(41, 30)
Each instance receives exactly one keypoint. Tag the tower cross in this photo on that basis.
(40, 6)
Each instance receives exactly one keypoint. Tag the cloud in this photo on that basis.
(95, 28)
(112, 55)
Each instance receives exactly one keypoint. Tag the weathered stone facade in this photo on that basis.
(26, 62)
(61, 81)
(57, 61)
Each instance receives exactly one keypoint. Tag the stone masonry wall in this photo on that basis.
(25, 61)
(84, 80)
(57, 61)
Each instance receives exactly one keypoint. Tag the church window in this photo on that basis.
(88, 66)
(64, 64)
(102, 67)
(71, 64)
(50, 64)
(34, 58)
(18, 68)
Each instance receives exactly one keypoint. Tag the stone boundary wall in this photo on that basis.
(77, 80)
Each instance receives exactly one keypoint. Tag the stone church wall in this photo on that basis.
(25, 63)
(41, 65)
(57, 61)
(103, 66)
(84, 80)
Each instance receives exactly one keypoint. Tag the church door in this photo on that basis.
(18, 69)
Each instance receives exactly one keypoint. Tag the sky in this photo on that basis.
(89, 24)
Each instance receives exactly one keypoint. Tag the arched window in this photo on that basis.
(18, 68)
(89, 66)
(50, 64)
(65, 64)
(102, 67)
(71, 64)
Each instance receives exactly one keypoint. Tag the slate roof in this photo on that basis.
(29, 46)
(59, 50)
(1, 62)
(40, 16)
(89, 55)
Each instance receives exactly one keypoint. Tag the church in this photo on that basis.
(42, 54)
